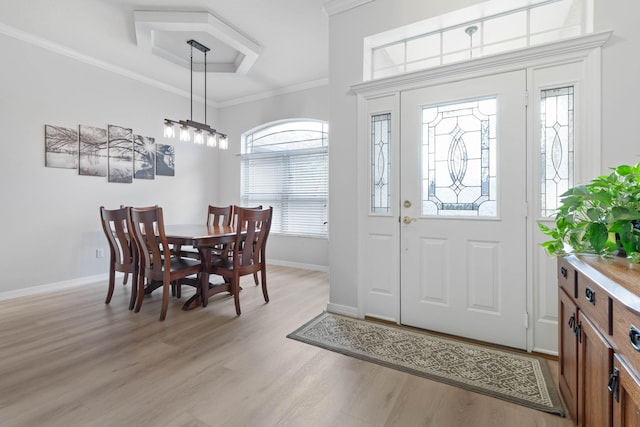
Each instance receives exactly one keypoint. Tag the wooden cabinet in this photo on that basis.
(594, 368)
(599, 343)
(568, 361)
(626, 395)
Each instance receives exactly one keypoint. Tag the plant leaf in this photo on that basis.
(597, 235)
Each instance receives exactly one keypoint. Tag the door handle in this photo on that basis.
(408, 220)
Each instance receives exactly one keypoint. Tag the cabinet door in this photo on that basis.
(568, 345)
(626, 398)
(594, 368)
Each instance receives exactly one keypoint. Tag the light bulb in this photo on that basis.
(169, 131)
(197, 137)
(211, 140)
(185, 135)
(223, 142)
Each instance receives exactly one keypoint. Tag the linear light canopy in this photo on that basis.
(201, 131)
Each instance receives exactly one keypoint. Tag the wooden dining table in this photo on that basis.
(203, 238)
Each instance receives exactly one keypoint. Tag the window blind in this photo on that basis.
(295, 182)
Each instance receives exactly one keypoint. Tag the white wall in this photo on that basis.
(621, 68)
(620, 88)
(309, 103)
(49, 221)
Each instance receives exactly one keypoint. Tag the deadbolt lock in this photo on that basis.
(407, 204)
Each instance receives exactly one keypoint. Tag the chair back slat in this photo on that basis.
(114, 224)
(219, 215)
(148, 231)
(249, 249)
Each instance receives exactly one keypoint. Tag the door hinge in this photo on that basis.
(526, 320)
(526, 98)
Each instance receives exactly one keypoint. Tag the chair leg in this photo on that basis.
(165, 299)
(235, 286)
(140, 296)
(126, 276)
(134, 292)
(255, 278)
(264, 284)
(112, 279)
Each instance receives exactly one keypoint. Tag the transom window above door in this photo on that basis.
(484, 29)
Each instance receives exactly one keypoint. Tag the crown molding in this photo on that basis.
(81, 57)
(268, 94)
(78, 56)
(333, 7)
(149, 23)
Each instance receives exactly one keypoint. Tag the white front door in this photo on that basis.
(463, 209)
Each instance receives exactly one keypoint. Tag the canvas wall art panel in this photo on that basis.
(93, 151)
(120, 154)
(144, 156)
(61, 147)
(165, 160)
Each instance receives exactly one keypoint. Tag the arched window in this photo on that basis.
(285, 164)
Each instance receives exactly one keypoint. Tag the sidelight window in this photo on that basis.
(556, 146)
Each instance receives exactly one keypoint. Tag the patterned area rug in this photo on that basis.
(514, 377)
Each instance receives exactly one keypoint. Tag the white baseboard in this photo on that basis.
(51, 287)
(545, 351)
(342, 309)
(282, 263)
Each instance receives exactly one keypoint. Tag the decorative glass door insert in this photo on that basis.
(459, 159)
(381, 163)
(556, 147)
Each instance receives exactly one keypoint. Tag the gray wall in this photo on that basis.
(621, 68)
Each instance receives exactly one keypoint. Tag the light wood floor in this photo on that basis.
(67, 359)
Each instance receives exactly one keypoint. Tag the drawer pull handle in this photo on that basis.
(563, 271)
(590, 295)
(614, 382)
(634, 337)
(572, 321)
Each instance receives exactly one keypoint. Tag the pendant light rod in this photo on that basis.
(213, 136)
(191, 84)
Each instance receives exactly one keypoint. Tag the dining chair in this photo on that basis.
(157, 265)
(216, 215)
(248, 256)
(235, 209)
(123, 254)
(219, 215)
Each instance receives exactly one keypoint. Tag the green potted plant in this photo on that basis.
(600, 217)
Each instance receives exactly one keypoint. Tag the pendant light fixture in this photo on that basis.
(201, 131)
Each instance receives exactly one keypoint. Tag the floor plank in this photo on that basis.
(67, 359)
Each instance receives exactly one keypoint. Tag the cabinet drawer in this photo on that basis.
(567, 277)
(595, 303)
(623, 322)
